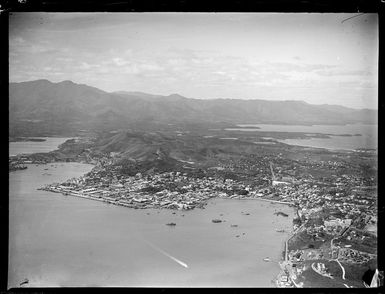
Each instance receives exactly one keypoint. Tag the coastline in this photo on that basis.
(286, 269)
(291, 234)
(204, 224)
(18, 148)
(343, 150)
(284, 250)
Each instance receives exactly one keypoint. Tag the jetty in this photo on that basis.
(276, 201)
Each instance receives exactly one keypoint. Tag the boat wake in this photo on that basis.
(166, 254)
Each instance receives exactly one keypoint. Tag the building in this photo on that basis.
(337, 223)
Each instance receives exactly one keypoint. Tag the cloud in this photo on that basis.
(119, 61)
(20, 47)
(16, 41)
(85, 66)
(343, 72)
(357, 84)
(65, 59)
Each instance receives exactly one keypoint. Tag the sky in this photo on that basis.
(317, 58)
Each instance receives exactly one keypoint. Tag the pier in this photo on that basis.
(275, 201)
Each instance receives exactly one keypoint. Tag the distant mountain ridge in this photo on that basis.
(68, 106)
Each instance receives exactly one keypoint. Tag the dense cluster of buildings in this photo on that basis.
(338, 204)
(354, 256)
(344, 210)
(18, 162)
(172, 190)
(15, 163)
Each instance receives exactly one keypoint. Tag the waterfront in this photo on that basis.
(58, 240)
(368, 138)
(29, 147)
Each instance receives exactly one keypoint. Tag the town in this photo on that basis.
(334, 195)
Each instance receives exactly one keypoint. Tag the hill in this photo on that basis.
(43, 107)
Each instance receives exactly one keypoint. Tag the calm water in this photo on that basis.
(368, 138)
(58, 240)
(50, 144)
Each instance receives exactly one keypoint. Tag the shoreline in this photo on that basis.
(283, 141)
(131, 198)
(37, 144)
(282, 249)
(214, 199)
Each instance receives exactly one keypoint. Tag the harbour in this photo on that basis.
(66, 233)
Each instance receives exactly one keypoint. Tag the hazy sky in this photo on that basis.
(310, 57)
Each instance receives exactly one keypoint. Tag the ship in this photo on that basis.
(266, 259)
(171, 224)
(280, 230)
(281, 213)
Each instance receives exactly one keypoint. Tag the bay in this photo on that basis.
(26, 147)
(368, 138)
(58, 240)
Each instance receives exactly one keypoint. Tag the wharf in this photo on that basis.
(275, 201)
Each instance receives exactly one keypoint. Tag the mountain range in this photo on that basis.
(64, 107)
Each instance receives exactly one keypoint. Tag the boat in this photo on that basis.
(25, 281)
(266, 259)
(281, 213)
(216, 220)
(171, 224)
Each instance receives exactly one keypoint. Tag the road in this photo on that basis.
(331, 243)
(343, 269)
